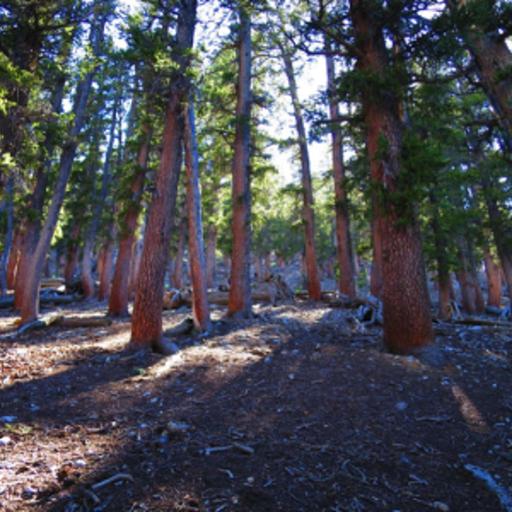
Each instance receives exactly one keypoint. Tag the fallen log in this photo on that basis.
(83, 321)
(185, 327)
(52, 282)
(482, 321)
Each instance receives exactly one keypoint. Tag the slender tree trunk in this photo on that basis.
(107, 268)
(211, 246)
(200, 307)
(99, 201)
(443, 270)
(4, 256)
(14, 257)
(30, 302)
(376, 268)
(240, 281)
(135, 267)
(119, 294)
(177, 274)
(493, 273)
(311, 264)
(72, 252)
(407, 318)
(346, 283)
(147, 310)
(471, 293)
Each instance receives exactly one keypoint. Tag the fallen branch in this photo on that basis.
(111, 480)
(482, 321)
(500, 491)
(83, 321)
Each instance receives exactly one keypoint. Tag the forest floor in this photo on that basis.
(290, 411)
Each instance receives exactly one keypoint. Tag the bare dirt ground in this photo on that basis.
(291, 411)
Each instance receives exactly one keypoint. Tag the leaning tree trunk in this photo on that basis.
(493, 60)
(119, 293)
(311, 264)
(30, 302)
(240, 281)
(147, 309)
(406, 303)
(200, 308)
(346, 283)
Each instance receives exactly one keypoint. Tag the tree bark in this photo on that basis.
(119, 294)
(311, 264)
(8, 240)
(200, 307)
(107, 253)
(493, 61)
(30, 301)
(211, 246)
(240, 280)
(406, 303)
(346, 283)
(14, 257)
(493, 273)
(147, 310)
(177, 268)
(443, 270)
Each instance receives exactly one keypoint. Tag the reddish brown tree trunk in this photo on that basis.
(493, 273)
(211, 246)
(240, 282)
(346, 283)
(200, 307)
(14, 258)
(177, 267)
(106, 269)
(311, 264)
(407, 318)
(471, 294)
(147, 309)
(376, 268)
(119, 293)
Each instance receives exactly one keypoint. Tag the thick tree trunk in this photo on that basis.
(343, 239)
(30, 302)
(200, 307)
(211, 246)
(311, 264)
(240, 281)
(493, 273)
(407, 318)
(147, 310)
(119, 294)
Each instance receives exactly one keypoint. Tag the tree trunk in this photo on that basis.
(30, 301)
(4, 256)
(493, 60)
(177, 270)
(107, 253)
(240, 280)
(211, 245)
(471, 293)
(98, 202)
(407, 318)
(119, 294)
(200, 307)
(14, 257)
(376, 268)
(443, 270)
(346, 283)
(147, 310)
(311, 264)
(493, 273)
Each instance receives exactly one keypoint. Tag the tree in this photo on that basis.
(147, 309)
(240, 280)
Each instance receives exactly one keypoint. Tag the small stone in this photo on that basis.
(401, 406)
(177, 426)
(28, 492)
(439, 505)
(4, 441)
